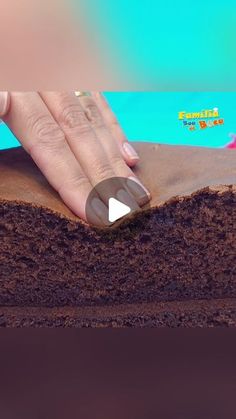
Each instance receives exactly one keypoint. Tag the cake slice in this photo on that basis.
(172, 264)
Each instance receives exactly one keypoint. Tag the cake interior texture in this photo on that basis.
(170, 265)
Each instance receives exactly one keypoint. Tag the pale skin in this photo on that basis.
(75, 142)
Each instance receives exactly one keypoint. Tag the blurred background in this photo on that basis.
(153, 116)
(132, 45)
(170, 45)
(167, 57)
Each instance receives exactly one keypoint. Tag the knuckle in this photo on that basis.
(74, 183)
(47, 132)
(103, 171)
(117, 162)
(94, 115)
(73, 117)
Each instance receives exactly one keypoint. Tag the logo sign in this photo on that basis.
(207, 118)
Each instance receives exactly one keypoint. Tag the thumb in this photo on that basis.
(4, 103)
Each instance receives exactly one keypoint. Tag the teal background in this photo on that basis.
(153, 116)
(170, 45)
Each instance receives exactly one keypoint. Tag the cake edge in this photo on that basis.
(219, 189)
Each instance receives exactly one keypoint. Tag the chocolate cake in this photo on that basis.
(173, 264)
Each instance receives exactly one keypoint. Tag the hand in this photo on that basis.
(76, 143)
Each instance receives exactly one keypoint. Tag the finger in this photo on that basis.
(4, 103)
(111, 148)
(128, 152)
(40, 135)
(84, 143)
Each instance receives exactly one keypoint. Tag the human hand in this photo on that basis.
(76, 143)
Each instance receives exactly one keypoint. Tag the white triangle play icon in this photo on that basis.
(117, 210)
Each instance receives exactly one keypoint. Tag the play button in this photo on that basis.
(117, 210)
(114, 199)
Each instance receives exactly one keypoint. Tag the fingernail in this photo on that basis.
(3, 103)
(100, 210)
(127, 199)
(130, 151)
(140, 192)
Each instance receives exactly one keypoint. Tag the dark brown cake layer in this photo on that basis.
(220, 313)
(184, 248)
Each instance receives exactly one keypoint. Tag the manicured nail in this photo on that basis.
(100, 210)
(127, 199)
(3, 103)
(139, 191)
(130, 151)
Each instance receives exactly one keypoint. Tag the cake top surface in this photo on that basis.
(166, 171)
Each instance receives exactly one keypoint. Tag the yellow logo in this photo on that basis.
(207, 118)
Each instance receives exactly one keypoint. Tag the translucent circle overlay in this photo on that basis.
(115, 199)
